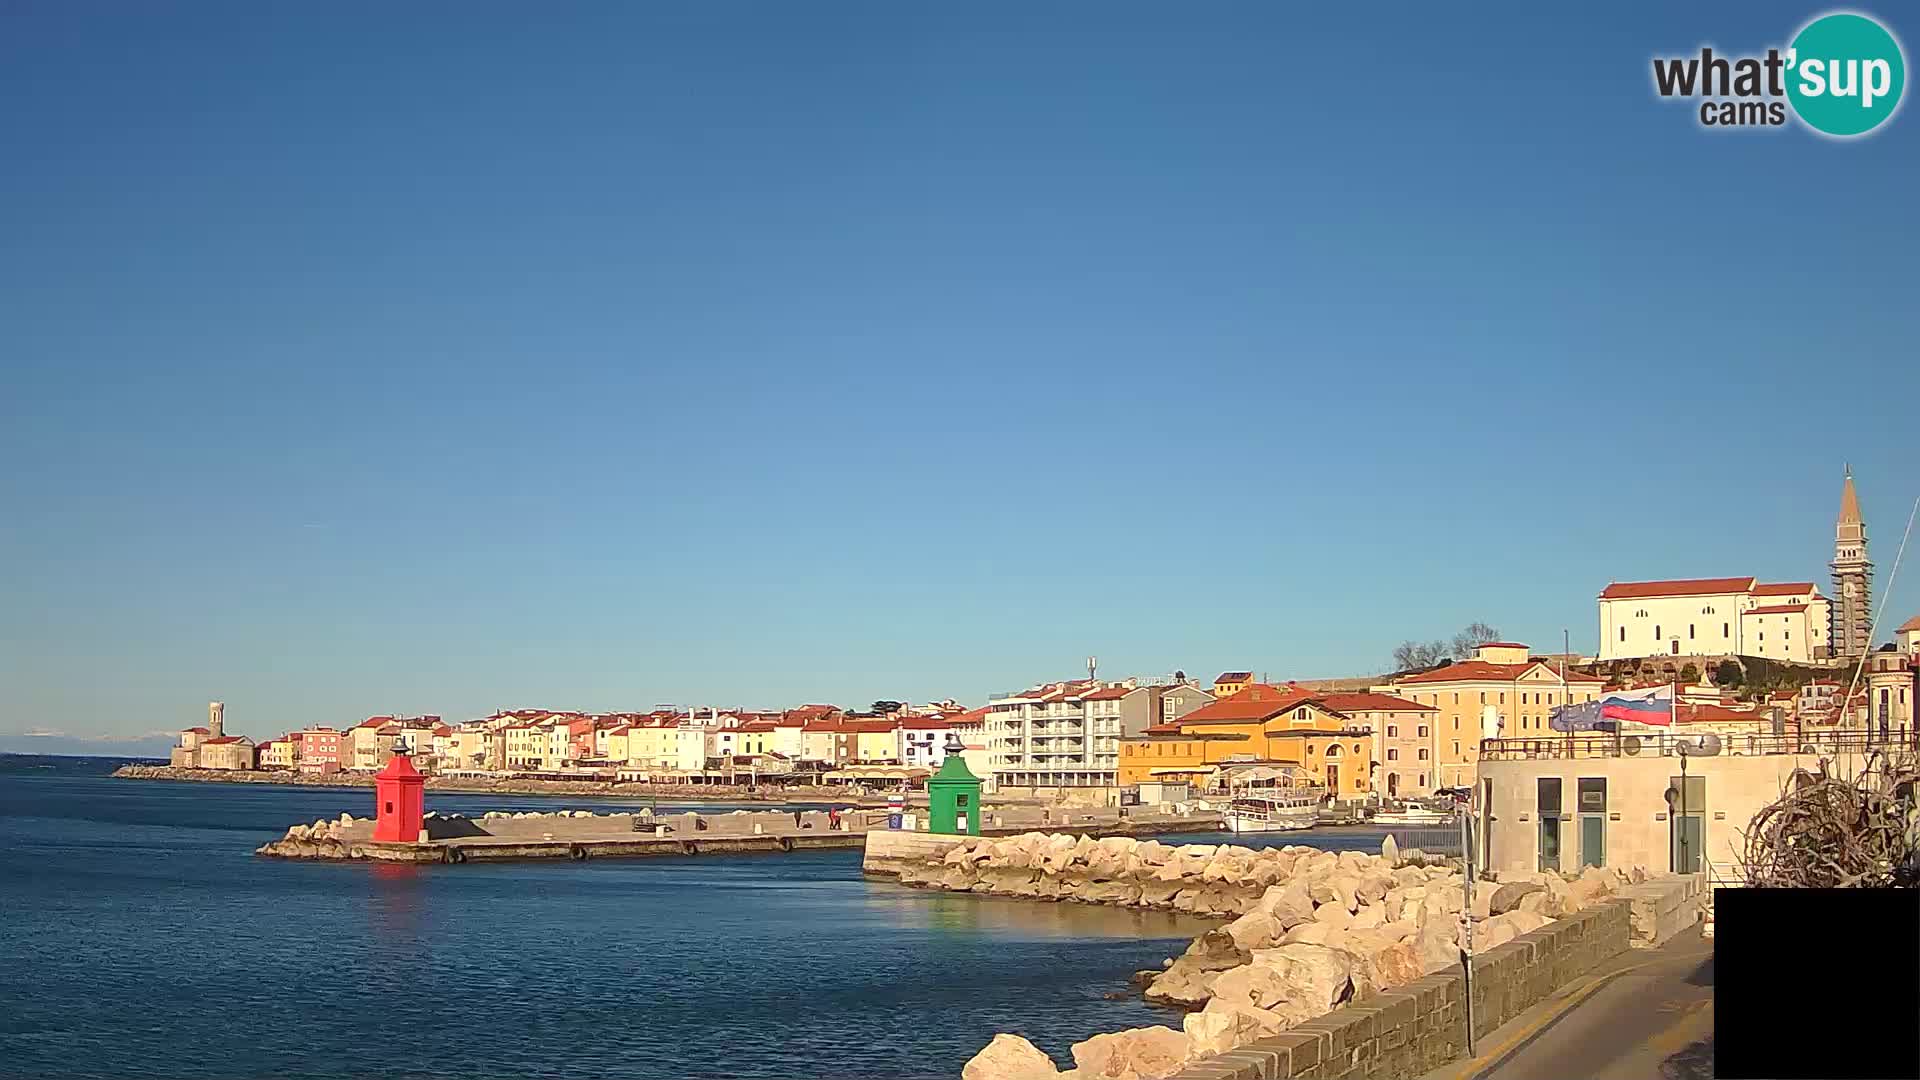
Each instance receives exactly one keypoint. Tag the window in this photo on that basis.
(1456, 747)
(1483, 697)
(1456, 697)
(1423, 731)
(1723, 630)
(1503, 699)
(1656, 629)
(1623, 633)
(1423, 755)
(1392, 754)
(1393, 731)
(1689, 631)
(1423, 779)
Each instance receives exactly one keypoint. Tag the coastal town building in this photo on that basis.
(1907, 637)
(1230, 683)
(226, 752)
(923, 740)
(1890, 683)
(1403, 740)
(1503, 690)
(190, 753)
(1064, 737)
(1851, 632)
(316, 749)
(1261, 725)
(1545, 805)
(278, 753)
(1733, 616)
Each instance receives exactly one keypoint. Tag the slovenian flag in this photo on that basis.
(1652, 706)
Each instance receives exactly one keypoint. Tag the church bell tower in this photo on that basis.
(1852, 630)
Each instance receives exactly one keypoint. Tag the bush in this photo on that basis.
(1690, 674)
(1728, 674)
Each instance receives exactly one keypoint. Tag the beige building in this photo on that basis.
(1501, 691)
(1625, 807)
(1230, 683)
(1890, 685)
(1908, 636)
(1403, 740)
(226, 752)
(1713, 617)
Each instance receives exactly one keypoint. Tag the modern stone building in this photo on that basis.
(1852, 627)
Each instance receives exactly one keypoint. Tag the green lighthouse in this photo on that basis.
(953, 795)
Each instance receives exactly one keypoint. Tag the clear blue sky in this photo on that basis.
(433, 357)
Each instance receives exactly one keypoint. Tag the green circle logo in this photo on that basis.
(1845, 73)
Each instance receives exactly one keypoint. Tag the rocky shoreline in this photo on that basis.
(486, 786)
(1311, 931)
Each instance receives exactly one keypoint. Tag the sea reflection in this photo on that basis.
(965, 913)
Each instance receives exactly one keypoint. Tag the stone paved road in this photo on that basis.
(1644, 1015)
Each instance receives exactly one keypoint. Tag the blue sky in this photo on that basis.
(362, 358)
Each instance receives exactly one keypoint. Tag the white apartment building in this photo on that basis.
(1067, 734)
(1711, 617)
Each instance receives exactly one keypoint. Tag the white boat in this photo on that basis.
(1274, 810)
(1413, 815)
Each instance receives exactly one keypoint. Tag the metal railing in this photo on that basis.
(1823, 743)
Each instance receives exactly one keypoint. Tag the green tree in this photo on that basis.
(1690, 674)
(1727, 674)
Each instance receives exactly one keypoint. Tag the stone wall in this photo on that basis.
(1410, 1030)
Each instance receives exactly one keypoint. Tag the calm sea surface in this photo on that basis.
(140, 937)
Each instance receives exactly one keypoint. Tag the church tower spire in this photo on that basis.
(1852, 607)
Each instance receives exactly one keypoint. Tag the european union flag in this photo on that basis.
(1583, 717)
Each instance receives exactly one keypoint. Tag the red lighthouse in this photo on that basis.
(399, 801)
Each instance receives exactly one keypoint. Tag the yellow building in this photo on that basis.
(1230, 683)
(619, 740)
(526, 746)
(1501, 692)
(277, 754)
(873, 740)
(1261, 724)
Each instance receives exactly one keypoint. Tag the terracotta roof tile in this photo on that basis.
(1482, 671)
(1775, 609)
(1639, 590)
(1784, 588)
(1372, 702)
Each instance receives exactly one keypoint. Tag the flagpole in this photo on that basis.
(1565, 697)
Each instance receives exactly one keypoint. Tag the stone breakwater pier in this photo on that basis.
(1327, 965)
(584, 834)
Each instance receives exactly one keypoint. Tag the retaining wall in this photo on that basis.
(1403, 1033)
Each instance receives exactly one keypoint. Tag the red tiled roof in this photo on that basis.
(442, 730)
(1256, 702)
(870, 727)
(1502, 645)
(1111, 693)
(926, 723)
(223, 740)
(1909, 626)
(1162, 729)
(759, 725)
(196, 731)
(1784, 588)
(621, 730)
(1372, 702)
(1776, 609)
(1234, 676)
(374, 721)
(1638, 590)
(1482, 671)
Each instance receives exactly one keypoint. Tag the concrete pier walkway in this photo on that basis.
(1644, 1015)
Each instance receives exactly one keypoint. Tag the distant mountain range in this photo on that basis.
(150, 746)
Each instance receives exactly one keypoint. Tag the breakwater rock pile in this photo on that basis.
(1311, 930)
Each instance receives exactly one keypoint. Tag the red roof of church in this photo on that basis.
(1371, 702)
(1637, 590)
(1777, 609)
(1784, 588)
